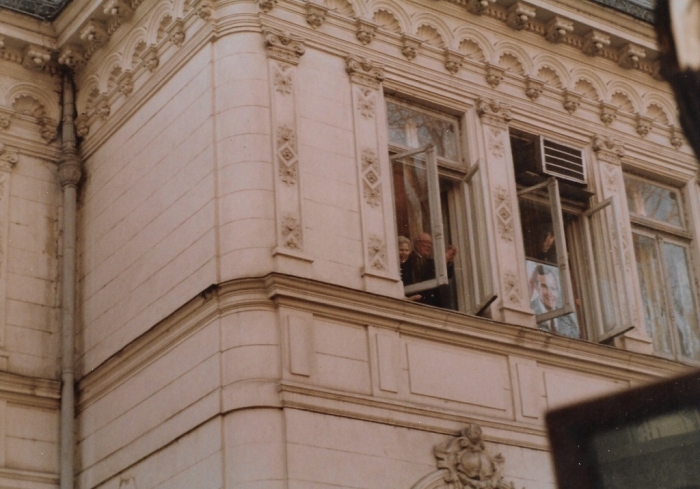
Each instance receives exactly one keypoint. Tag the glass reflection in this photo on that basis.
(653, 201)
(411, 128)
(684, 311)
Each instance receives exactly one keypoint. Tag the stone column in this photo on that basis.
(284, 51)
(512, 305)
(380, 270)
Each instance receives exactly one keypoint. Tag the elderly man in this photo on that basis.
(420, 266)
(547, 287)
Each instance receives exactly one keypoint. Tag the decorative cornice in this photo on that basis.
(519, 15)
(283, 46)
(364, 72)
(558, 28)
(594, 43)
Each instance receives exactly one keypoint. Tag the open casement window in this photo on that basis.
(662, 255)
(438, 203)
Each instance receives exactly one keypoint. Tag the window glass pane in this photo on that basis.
(412, 128)
(651, 283)
(413, 220)
(653, 201)
(685, 315)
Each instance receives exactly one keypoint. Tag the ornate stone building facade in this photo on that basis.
(249, 173)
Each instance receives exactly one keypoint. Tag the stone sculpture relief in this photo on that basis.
(364, 72)
(286, 154)
(376, 250)
(512, 287)
(504, 214)
(282, 78)
(283, 46)
(370, 178)
(291, 232)
(365, 103)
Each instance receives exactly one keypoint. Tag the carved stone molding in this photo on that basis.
(283, 46)
(479, 7)
(595, 42)
(410, 46)
(282, 78)
(36, 57)
(511, 286)
(558, 28)
(4, 122)
(366, 31)
(102, 107)
(176, 33)
(8, 157)
(504, 213)
(643, 125)
(608, 113)
(69, 171)
(315, 14)
(267, 5)
(453, 61)
(371, 178)
(572, 100)
(519, 15)
(676, 138)
(151, 59)
(287, 155)
(466, 463)
(630, 56)
(366, 103)
(72, 57)
(364, 72)
(125, 84)
(82, 125)
(204, 10)
(376, 250)
(533, 87)
(608, 149)
(291, 232)
(493, 112)
(494, 75)
(118, 12)
(94, 35)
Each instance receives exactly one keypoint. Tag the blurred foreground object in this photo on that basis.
(678, 29)
(644, 438)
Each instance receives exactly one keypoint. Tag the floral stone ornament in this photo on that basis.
(464, 463)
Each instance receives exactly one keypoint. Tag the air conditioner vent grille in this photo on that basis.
(563, 162)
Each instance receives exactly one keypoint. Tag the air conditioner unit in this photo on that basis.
(560, 161)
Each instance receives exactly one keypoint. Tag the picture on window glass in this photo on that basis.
(544, 284)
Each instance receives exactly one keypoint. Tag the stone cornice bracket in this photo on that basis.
(643, 125)
(676, 138)
(557, 29)
(467, 464)
(519, 15)
(493, 112)
(283, 46)
(410, 48)
(630, 56)
(8, 158)
(94, 36)
(204, 10)
(125, 84)
(453, 61)
(479, 7)
(71, 57)
(364, 72)
(494, 74)
(102, 107)
(594, 43)
(118, 12)
(608, 149)
(176, 33)
(366, 31)
(571, 101)
(315, 14)
(4, 123)
(35, 57)
(608, 113)
(150, 59)
(533, 87)
(267, 5)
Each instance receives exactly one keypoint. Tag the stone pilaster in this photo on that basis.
(284, 52)
(8, 159)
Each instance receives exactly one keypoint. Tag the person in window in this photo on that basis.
(547, 287)
(420, 266)
(547, 251)
(407, 260)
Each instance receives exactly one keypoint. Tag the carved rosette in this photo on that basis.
(282, 78)
(504, 213)
(364, 72)
(371, 181)
(283, 46)
(287, 155)
(463, 462)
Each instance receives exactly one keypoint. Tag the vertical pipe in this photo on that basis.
(69, 174)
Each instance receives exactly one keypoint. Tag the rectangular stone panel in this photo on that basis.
(568, 387)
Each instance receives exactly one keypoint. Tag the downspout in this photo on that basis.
(69, 173)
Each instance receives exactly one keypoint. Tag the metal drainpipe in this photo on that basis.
(69, 173)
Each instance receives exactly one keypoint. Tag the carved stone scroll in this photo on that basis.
(284, 52)
(380, 274)
(463, 462)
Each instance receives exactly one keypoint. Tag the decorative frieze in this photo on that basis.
(479, 7)
(94, 35)
(118, 12)
(558, 28)
(72, 57)
(630, 56)
(533, 87)
(283, 46)
(494, 75)
(36, 57)
(410, 48)
(364, 72)
(519, 15)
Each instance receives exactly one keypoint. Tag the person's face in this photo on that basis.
(548, 241)
(549, 290)
(424, 246)
(404, 251)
